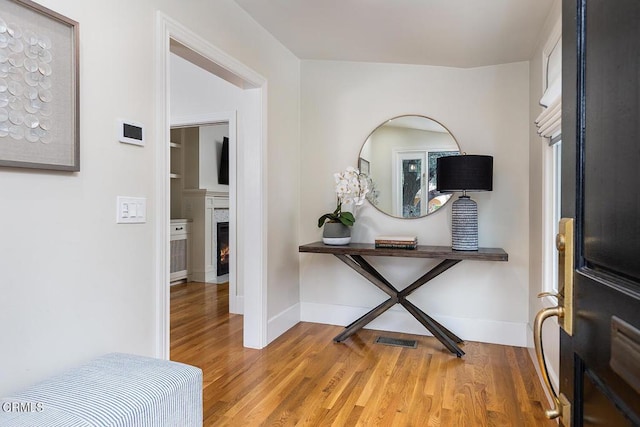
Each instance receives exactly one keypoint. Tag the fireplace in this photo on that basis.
(222, 245)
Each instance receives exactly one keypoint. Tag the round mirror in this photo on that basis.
(400, 158)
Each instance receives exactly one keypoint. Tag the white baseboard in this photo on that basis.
(236, 306)
(398, 320)
(282, 322)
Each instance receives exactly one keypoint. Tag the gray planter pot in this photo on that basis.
(336, 233)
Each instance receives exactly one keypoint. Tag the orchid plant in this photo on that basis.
(352, 187)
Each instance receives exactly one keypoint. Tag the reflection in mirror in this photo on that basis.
(400, 157)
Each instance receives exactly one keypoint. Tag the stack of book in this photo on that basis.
(397, 242)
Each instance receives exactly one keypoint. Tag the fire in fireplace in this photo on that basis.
(223, 248)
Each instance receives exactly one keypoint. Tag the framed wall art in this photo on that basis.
(363, 166)
(39, 90)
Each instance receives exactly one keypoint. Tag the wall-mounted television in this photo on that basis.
(223, 170)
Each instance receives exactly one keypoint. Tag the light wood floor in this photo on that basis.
(304, 378)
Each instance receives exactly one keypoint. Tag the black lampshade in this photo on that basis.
(465, 173)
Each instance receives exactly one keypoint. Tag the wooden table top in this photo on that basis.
(442, 252)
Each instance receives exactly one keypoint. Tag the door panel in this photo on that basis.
(612, 133)
(601, 168)
(598, 410)
(599, 300)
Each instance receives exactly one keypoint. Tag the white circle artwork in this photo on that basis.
(25, 84)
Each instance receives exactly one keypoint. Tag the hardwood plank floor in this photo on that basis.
(305, 379)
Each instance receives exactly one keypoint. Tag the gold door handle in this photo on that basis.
(543, 315)
(564, 312)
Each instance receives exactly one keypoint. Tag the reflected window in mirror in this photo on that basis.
(411, 188)
(401, 158)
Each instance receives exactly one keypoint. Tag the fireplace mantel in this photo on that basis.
(205, 208)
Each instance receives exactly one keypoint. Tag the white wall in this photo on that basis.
(487, 111)
(537, 148)
(74, 284)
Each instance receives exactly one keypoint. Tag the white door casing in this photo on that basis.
(249, 202)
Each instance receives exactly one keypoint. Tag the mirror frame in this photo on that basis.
(359, 161)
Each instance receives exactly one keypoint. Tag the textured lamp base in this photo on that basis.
(464, 236)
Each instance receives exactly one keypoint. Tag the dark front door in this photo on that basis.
(600, 361)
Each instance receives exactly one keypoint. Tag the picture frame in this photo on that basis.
(39, 88)
(363, 166)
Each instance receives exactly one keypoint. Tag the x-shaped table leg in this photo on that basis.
(360, 265)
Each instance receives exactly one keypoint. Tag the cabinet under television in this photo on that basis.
(180, 251)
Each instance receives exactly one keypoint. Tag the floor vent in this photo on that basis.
(397, 342)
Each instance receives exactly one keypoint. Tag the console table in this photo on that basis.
(353, 255)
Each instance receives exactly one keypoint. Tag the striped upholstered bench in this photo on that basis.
(112, 390)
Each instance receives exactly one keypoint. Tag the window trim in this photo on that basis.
(551, 214)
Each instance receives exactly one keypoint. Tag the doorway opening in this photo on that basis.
(200, 197)
(247, 240)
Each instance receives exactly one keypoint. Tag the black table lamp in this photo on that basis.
(464, 173)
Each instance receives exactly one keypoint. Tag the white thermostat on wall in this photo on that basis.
(130, 132)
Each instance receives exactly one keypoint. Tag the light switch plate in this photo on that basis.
(131, 210)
